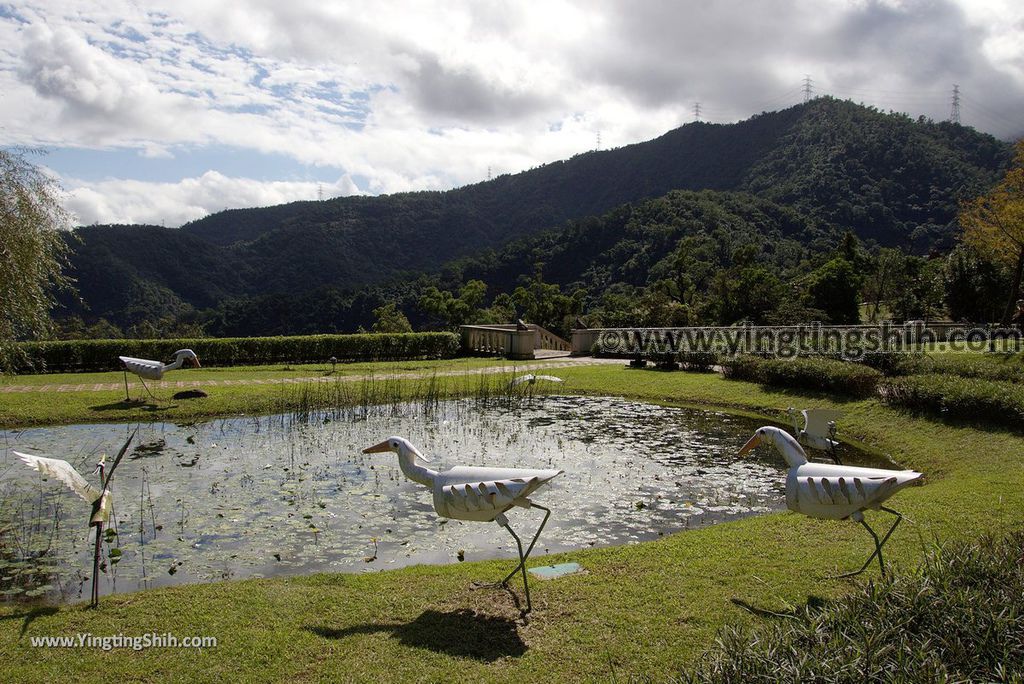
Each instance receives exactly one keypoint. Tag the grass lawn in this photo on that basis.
(85, 405)
(646, 610)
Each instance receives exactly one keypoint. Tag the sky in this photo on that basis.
(165, 112)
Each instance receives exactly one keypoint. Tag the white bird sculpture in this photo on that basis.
(835, 492)
(475, 493)
(819, 429)
(102, 499)
(534, 379)
(154, 370)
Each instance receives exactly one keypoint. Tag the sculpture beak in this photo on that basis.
(751, 443)
(195, 362)
(378, 448)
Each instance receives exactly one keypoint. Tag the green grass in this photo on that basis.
(958, 618)
(647, 610)
(22, 409)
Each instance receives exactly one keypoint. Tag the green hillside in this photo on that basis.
(815, 170)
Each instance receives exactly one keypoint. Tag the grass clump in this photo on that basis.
(994, 366)
(958, 618)
(959, 398)
(698, 361)
(812, 373)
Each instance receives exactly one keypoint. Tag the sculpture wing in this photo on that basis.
(550, 378)
(485, 499)
(63, 472)
(144, 368)
(481, 500)
(816, 421)
(843, 492)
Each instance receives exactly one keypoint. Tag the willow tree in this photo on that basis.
(994, 225)
(32, 251)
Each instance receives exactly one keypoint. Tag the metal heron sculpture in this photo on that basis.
(835, 492)
(819, 430)
(476, 493)
(102, 499)
(532, 379)
(154, 370)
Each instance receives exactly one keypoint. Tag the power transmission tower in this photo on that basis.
(696, 111)
(954, 110)
(599, 140)
(320, 191)
(488, 173)
(808, 88)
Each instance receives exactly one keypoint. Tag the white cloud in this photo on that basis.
(428, 95)
(173, 204)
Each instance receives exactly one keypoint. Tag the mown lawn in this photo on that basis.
(646, 610)
(85, 405)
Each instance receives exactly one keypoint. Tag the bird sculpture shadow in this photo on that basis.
(461, 633)
(125, 405)
(31, 615)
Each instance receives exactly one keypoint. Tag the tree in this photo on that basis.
(390, 320)
(994, 225)
(834, 288)
(32, 252)
(455, 311)
(974, 286)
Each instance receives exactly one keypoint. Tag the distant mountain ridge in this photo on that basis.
(886, 177)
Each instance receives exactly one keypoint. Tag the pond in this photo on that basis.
(272, 496)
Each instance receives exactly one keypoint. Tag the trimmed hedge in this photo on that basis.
(951, 396)
(698, 361)
(101, 355)
(892, 363)
(827, 375)
(1009, 367)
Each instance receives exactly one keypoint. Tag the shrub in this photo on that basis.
(987, 367)
(698, 361)
(952, 396)
(892, 363)
(828, 375)
(838, 377)
(100, 355)
(743, 367)
(958, 618)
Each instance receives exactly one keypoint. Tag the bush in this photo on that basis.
(698, 361)
(952, 396)
(743, 367)
(893, 363)
(958, 618)
(101, 355)
(828, 375)
(988, 367)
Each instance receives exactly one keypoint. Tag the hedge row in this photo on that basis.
(101, 355)
(1009, 367)
(827, 375)
(958, 398)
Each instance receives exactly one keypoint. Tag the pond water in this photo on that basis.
(268, 496)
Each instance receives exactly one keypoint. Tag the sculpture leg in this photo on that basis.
(521, 568)
(522, 565)
(878, 544)
(529, 549)
(833, 452)
(127, 397)
(97, 552)
(147, 387)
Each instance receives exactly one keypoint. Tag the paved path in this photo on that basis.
(169, 384)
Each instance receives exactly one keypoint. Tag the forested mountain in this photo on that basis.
(802, 175)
